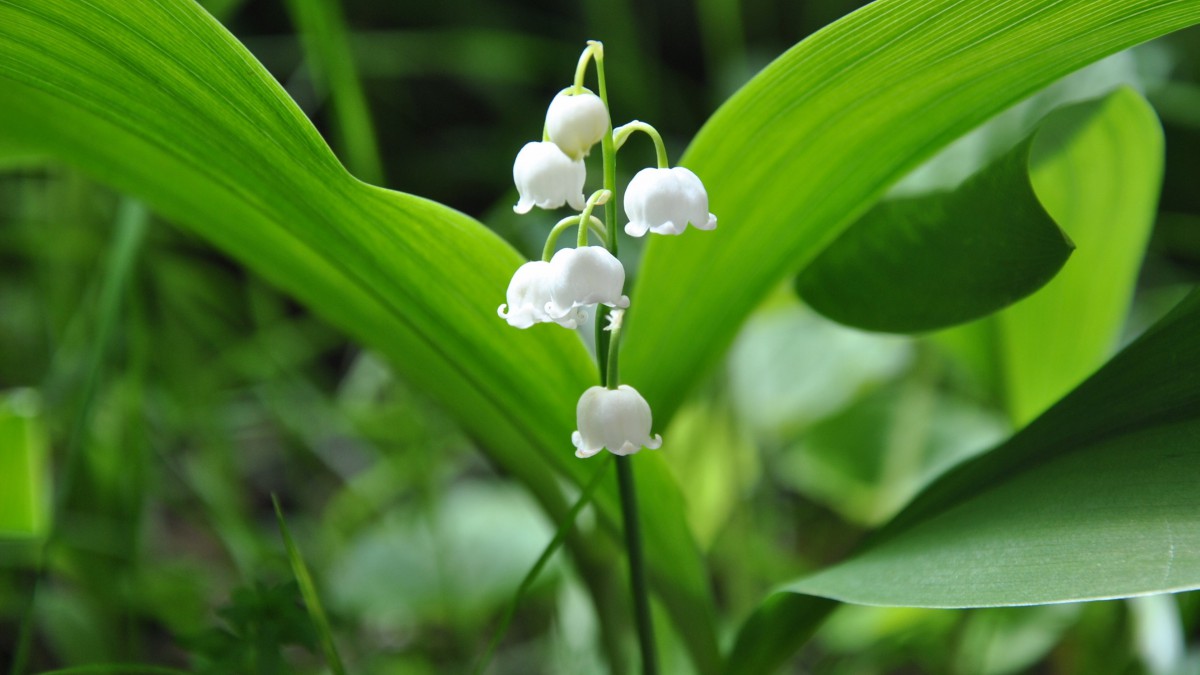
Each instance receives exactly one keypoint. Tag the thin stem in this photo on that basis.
(564, 528)
(610, 155)
(606, 357)
(637, 565)
(566, 224)
(617, 317)
(593, 50)
(622, 133)
(598, 197)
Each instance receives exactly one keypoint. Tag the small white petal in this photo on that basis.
(547, 178)
(576, 122)
(615, 318)
(665, 201)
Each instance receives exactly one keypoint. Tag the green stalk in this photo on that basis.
(566, 224)
(585, 218)
(637, 565)
(606, 352)
(623, 133)
(564, 528)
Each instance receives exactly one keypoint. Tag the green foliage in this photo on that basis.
(24, 474)
(239, 163)
(916, 264)
(327, 42)
(805, 148)
(1051, 341)
(308, 590)
(191, 390)
(260, 622)
(1100, 483)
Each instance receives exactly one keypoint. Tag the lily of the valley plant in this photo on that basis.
(560, 287)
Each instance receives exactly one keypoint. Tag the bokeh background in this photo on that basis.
(162, 393)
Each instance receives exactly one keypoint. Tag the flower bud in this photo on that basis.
(616, 419)
(664, 201)
(585, 276)
(547, 178)
(576, 122)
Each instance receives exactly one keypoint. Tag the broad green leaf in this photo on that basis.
(155, 98)
(805, 148)
(1098, 498)
(1103, 190)
(1107, 481)
(24, 478)
(916, 264)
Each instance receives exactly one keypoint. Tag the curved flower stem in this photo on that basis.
(598, 197)
(606, 355)
(565, 224)
(595, 50)
(623, 132)
(616, 317)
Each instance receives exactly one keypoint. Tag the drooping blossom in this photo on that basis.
(547, 178)
(664, 201)
(576, 122)
(584, 276)
(528, 295)
(614, 419)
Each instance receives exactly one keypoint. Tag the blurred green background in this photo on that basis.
(165, 392)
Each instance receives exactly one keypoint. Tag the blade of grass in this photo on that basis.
(131, 225)
(559, 537)
(316, 611)
(326, 42)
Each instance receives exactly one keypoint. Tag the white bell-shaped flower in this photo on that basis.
(529, 293)
(616, 419)
(664, 201)
(583, 276)
(547, 178)
(576, 122)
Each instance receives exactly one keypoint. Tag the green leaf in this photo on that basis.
(920, 263)
(308, 590)
(1098, 498)
(806, 147)
(24, 477)
(156, 99)
(770, 635)
(1102, 188)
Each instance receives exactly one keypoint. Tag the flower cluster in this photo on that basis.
(561, 286)
(558, 291)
